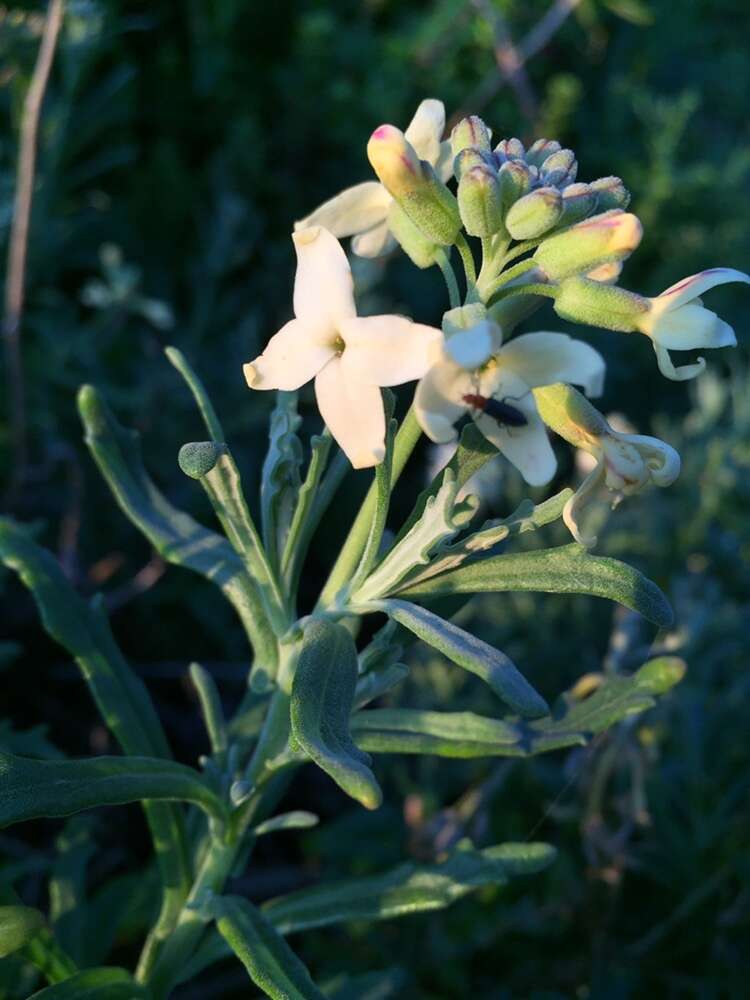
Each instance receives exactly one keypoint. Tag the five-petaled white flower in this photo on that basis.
(348, 356)
(475, 366)
(362, 211)
(677, 321)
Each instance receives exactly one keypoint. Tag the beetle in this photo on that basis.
(500, 411)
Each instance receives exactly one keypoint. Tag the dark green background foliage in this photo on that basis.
(191, 135)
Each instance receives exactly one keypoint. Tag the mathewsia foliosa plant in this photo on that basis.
(540, 236)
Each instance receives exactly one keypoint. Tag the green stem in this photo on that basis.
(443, 262)
(505, 277)
(467, 259)
(408, 434)
(307, 514)
(550, 291)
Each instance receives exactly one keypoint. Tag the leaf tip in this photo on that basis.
(661, 674)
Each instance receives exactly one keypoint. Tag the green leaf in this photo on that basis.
(376, 683)
(36, 788)
(573, 722)
(213, 425)
(407, 889)
(295, 820)
(211, 710)
(322, 696)
(474, 655)
(280, 479)
(382, 499)
(270, 962)
(311, 504)
(176, 536)
(95, 984)
(18, 925)
(67, 887)
(568, 569)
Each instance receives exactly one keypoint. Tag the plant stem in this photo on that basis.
(467, 259)
(408, 434)
(505, 277)
(443, 262)
(550, 291)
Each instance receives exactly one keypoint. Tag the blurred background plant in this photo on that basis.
(177, 144)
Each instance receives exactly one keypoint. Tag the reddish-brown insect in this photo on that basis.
(500, 411)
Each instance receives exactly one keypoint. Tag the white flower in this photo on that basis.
(474, 367)
(362, 211)
(677, 321)
(349, 356)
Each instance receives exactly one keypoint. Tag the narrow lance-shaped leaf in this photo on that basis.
(198, 390)
(474, 655)
(322, 697)
(311, 505)
(280, 479)
(95, 984)
(270, 962)
(35, 788)
(568, 569)
(175, 535)
(295, 820)
(67, 886)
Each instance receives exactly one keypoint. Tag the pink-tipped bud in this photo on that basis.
(394, 160)
(602, 239)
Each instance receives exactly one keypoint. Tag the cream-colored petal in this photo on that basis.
(691, 326)
(473, 347)
(426, 130)
(439, 400)
(388, 350)
(697, 284)
(376, 242)
(354, 414)
(578, 503)
(323, 287)
(662, 460)
(683, 373)
(292, 357)
(444, 164)
(545, 358)
(354, 210)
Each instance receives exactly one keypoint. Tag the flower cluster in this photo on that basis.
(544, 235)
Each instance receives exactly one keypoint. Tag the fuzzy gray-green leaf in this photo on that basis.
(95, 984)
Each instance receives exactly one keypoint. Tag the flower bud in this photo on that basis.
(471, 131)
(582, 300)
(412, 241)
(612, 193)
(559, 168)
(479, 202)
(197, 458)
(540, 150)
(509, 149)
(395, 161)
(601, 239)
(534, 214)
(470, 157)
(515, 182)
(578, 202)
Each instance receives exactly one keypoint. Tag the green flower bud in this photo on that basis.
(559, 168)
(197, 458)
(515, 182)
(470, 157)
(509, 149)
(601, 239)
(578, 202)
(479, 202)
(612, 193)
(412, 241)
(471, 131)
(582, 300)
(414, 184)
(540, 150)
(534, 214)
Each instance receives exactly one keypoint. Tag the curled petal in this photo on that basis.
(426, 130)
(353, 412)
(323, 287)
(439, 403)
(354, 210)
(292, 357)
(662, 460)
(376, 242)
(388, 350)
(578, 503)
(682, 374)
(695, 285)
(545, 358)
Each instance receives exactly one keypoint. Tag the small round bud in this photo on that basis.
(470, 157)
(470, 131)
(479, 202)
(602, 239)
(540, 150)
(534, 214)
(559, 168)
(509, 149)
(611, 192)
(197, 458)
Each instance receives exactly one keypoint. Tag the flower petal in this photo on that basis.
(579, 502)
(388, 350)
(353, 412)
(473, 347)
(323, 287)
(528, 447)
(376, 242)
(354, 210)
(545, 358)
(438, 401)
(292, 357)
(691, 326)
(695, 285)
(662, 459)
(682, 374)
(426, 130)
(444, 164)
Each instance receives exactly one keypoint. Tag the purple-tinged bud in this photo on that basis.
(515, 182)
(612, 193)
(470, 157)
(578, 201)
(509, 149)
(534, 214)
(471, 131)
(602, 239)
(582, 300)
(540, 150)
(479, 202)
(559, 168)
